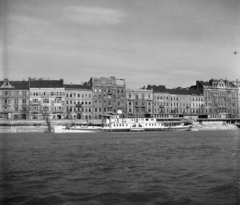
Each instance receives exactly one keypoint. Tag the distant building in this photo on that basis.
(109, 96)
(78, 101)
(139, 102)
(175, 103)
(160, 101)
(221, 98)
(186, 102)
(14, 98)
(47, 99)
(237, 84)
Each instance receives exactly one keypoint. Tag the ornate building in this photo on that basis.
(78, 101)
(174, 103)
(237, 84)
(221, 98)
(109, 96)
(47, 99)
(160, 101)
(139, 102)
(186, 102)
(14, 97)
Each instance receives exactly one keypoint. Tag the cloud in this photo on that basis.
(94, 16)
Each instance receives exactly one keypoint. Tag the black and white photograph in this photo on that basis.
(119, 102)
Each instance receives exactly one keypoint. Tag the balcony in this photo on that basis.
(34, 103)
(59, 111)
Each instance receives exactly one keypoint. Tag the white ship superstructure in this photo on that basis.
(116, 123)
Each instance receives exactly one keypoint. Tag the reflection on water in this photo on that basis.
(121, 168)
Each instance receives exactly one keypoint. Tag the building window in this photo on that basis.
(35, 109)
(45, 100)
(35, 100)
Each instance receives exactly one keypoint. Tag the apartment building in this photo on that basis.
(221, 98)
(14, 98)
(47, 99)
(78, 101)
(186, 102)
(237, 84)
(160, 104)
(109, 96)
(177, 102)
(139, 102)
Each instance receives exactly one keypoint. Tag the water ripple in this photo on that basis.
(179, 168)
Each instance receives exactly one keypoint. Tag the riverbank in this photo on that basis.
(216, 127)
(43, 127)
(37, 126)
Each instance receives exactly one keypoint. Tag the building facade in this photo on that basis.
(237, 84)
(175, 103)
(186, 102)
(47, 99)
(160, 101)
(109, 96)
(78, 102)
(139, 102)
(221, 98)
(14, 97)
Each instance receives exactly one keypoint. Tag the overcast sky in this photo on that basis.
(161, 42)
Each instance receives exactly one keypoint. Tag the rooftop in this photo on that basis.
(46, 83)
(184, 91)
(77, 86)
(21, 85)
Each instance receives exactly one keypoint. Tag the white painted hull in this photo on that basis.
(116, 124)
(63, 129)
(155, 128)
(137, 130)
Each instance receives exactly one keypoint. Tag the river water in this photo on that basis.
(170, 168)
